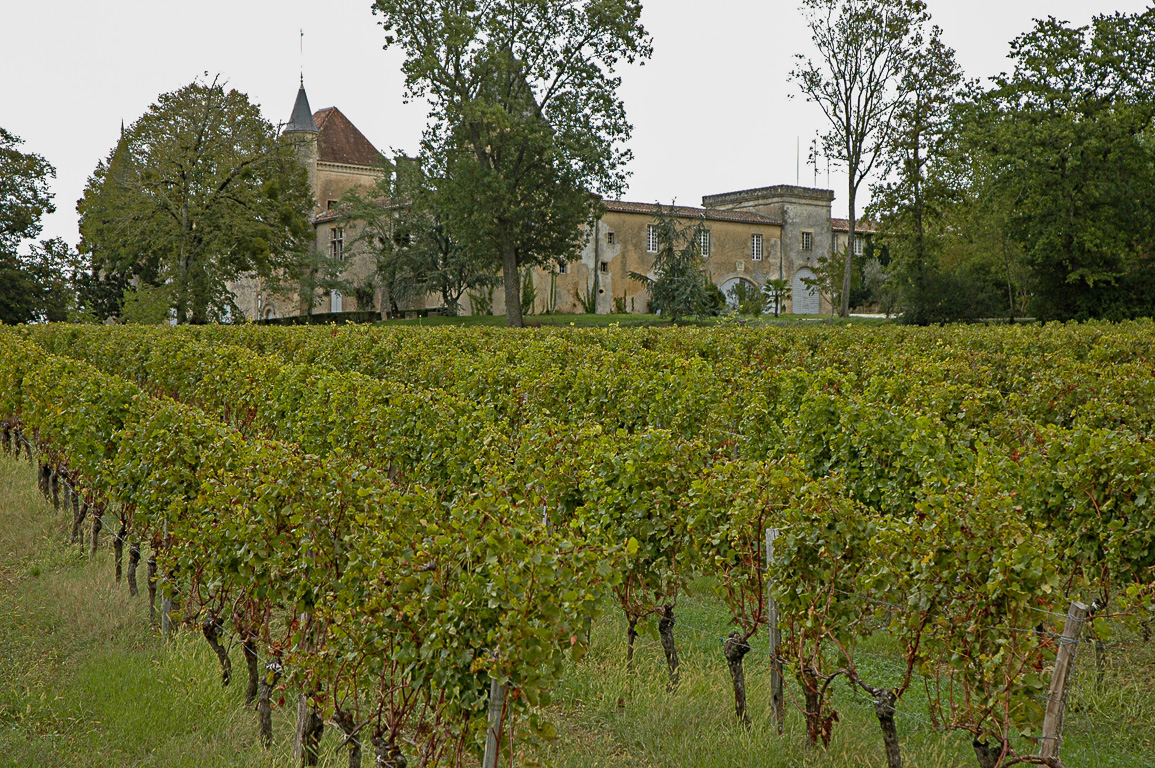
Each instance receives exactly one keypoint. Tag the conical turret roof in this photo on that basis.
(302, 119)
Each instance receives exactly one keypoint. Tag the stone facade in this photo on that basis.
(755, 235)
(338, 158)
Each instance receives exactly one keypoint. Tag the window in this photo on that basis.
(807, 241)
(332, 204)
(756, 247)
(704, 242)
(651, 239)
(604, 266)
(610, 238)
(337, 243)
(561, 268)
(858, 245)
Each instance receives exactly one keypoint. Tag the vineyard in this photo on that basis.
(411, 533)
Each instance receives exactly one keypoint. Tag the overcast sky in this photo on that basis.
(712, 111)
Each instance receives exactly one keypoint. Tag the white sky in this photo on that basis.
(712, 111)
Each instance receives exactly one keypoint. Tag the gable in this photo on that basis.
(339, 141)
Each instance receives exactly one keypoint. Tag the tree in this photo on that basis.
(24, 199)
(525, 123)
(54, 269)
(407, 232)
(197, 192)
(680, 285)
(305, 273)
(857, 79)
(777, 293)
(747, 299)
(922, 166)
(1067, 141)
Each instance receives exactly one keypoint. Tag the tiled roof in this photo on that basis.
(860, 226)
(687, 212)
(340, 141)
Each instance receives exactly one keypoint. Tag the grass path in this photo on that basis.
(84, 681)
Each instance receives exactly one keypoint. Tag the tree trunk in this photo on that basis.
(631, 636)
(344, 721)
(265, 701)
(249, 646)
(211, 629)
(43, 472)
(666, 632)
(735, 649)
(387, 753)
(884, 708)
(819, 724)
(989, 754)
(844, 309)
(79, 510)
(133, 562)
(152, 589)
(512, 281)
(97, 526)
(118, 548)
(54, 487)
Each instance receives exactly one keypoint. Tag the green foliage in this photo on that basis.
(404, 223)
(481, 302)
(24, 194)
(525, 119)
(946, 297)
(680, 285)
(747, 299)
(528, 293)
(146, 305)
(859, 79)
(463, 522)
(1078, 106)
(777, 292)
(197, 192)
(588, 298)
(24, 199)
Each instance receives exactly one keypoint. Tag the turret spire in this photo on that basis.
(302, 118)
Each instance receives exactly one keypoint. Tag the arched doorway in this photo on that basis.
(728, 286)
(804, 297)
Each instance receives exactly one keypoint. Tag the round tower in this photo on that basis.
(302, 132)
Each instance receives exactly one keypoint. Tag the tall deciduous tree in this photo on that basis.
(526, 124)
(857, 78)
(1067, 141)
(919, 182)
(199, 191)
(405, 227)
(24, 199)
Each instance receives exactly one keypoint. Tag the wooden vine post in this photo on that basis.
(777, 702)
(1057, 693)
(494, 729)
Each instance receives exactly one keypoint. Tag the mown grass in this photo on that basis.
(84, 681)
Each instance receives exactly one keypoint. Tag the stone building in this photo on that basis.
(753, 235)
(338, 158)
